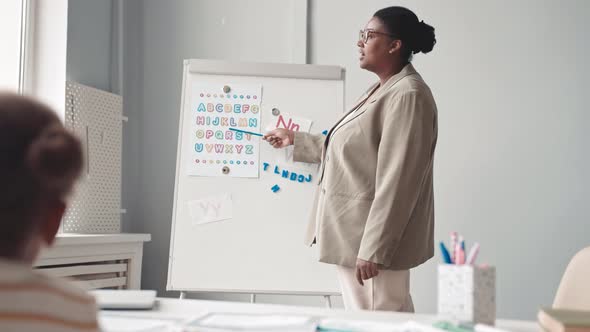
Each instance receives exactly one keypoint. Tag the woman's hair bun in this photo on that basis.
(54, 158)
(424, 38)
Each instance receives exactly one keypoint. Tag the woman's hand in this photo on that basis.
(279, 138)
(365, 270)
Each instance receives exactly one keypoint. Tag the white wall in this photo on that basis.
(509, 79)
(89, 43)
(159, 35)
(511, 166)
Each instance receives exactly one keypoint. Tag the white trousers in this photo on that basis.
(389, 290)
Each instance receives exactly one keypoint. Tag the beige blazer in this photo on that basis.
(375, 195)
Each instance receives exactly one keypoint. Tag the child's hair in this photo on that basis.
(40, 161)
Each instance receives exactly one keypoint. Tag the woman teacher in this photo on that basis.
(373, 215)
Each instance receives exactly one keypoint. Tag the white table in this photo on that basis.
(182, 310)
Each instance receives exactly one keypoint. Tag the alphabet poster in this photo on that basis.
(221, 125)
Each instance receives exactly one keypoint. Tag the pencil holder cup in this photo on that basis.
(467, 293)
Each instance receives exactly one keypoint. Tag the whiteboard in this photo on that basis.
(260, 248)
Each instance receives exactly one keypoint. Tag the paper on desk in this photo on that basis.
(255, 322)
(210, 209)
(113, 323)
(329, 324)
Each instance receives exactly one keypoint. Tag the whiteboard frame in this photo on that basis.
(220, 67)
(280, 70)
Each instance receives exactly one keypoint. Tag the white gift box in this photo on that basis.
(467, 293)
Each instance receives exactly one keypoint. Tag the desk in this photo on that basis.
(175, 309)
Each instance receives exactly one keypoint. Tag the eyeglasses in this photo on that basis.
(367, 34)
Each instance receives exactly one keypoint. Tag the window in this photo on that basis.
(33, 42)
(12, 41)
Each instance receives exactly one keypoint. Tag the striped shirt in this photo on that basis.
(32, 301)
